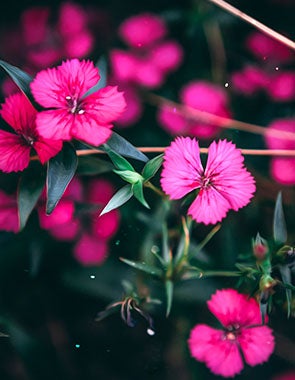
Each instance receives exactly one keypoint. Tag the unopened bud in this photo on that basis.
(260, 247)
(266, 283)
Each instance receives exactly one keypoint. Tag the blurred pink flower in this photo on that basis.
(282, 169)
(242, 331)
(281, 87)
(15, 148)
(250, 80)
(90, 251)
(71, 114)
(203, 96)
(224, 184)
(288, 375)
(267, 48)
(9, 219)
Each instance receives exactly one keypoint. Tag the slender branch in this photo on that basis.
(222, 122)
(263, 28)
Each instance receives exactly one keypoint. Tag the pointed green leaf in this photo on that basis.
(120, 162)
(31, 184)
(120, 145)
(286, 278)
(165, 244)
(151, 167)
(138, 193)
(142, 266)
(20, 78)
(60, 171)
(279, 224)
(129, 176)
(93, 165)
(169, 296)
(119, 198)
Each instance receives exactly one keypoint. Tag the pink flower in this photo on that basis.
(9, 220)
(282, 169)
(90, 251)
(288, 375)
(15, 148)
(200, 95)
(250, 80)
(281, 87)
(224, 184)
(71, 114)
(242, 331)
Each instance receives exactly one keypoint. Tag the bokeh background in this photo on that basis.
(49, 300)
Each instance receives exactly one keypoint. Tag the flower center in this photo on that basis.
(74, 106)
(232, 332)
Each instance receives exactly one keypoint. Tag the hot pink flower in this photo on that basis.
(224, 184)
(71, 114)
(242, 331)
(250, 80)
(15, 148)
(91, 251)
(200, 95)
(281, 87)
(282, 169)
(9, 220)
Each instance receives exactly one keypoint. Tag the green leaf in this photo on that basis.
(120, 162)
(142, 266)
(31, 184)
(279, 224)
(129, 176)
(60, 171)
(138, 193)
(151, 167)
(165, 244)
(120, 145)
(169, 296)
(20, 78)
(119, 198)
(93, 165)
(286, 278)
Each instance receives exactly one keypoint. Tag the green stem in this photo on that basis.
(155, 189)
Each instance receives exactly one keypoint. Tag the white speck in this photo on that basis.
(117, 242)
(155, 249)
(92, 276)
(80, 112)
(68, 97)
(226, 84)
(77, 345)
(151, 332)
(277, 68)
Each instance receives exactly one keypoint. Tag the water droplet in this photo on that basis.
(80, 112)
(77, 345)
(277, 68)
(92, 276)
(155, 249)
(68, 97)
(226, 84)
(150, 332)
(117, 242)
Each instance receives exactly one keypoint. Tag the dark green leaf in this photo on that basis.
(150, 269)
(169, 295)
(93, 165)
(286, 278)
(60, 171)
(120, 162)
(122, 196)
(20, 78)
(279, 224)
(120, 145)
(165, 244)
(31, 184)
(151, 167)
(138, 193)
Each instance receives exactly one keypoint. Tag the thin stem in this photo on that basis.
(257, 24)
(155, 189)
(219, 121)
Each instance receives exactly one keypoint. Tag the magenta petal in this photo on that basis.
(67, 231)
(182, 168)
(47, 148)
(221, 356)
(90, 250)
(14, 154)
(282, 170)
(88, 130)
(63, 213)
(257, 344)
(9, 220)
(55, 124)
(231, 307)
(209, 207)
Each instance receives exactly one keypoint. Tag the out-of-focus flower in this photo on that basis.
(9, 220)
(281, 87)
(282, 169)
(288, 375)
(203, 96)
(250, 80)
(90, 232)
(150, 58)
(70, 113)
(15, 148)
(241, 330)
(225, 183)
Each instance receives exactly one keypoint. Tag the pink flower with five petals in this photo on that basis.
(15, 148)
(224, 184)
(71, 113)
(242, 332)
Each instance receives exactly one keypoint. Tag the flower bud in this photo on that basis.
(260, 247)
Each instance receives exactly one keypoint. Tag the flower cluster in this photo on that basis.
(69, 113)
(242, 330)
